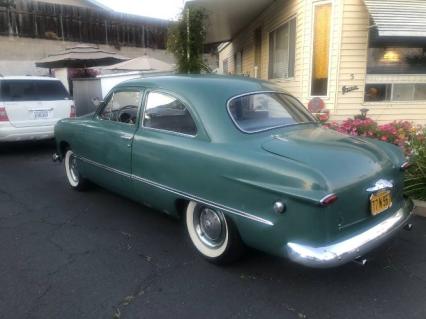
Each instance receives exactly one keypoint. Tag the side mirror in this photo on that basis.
(96, 102)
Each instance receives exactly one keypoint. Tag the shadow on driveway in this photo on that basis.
(67, 254)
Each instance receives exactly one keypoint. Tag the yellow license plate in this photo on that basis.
(380, 201)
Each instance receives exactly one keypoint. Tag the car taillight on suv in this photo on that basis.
(3, 115)
(73, 112)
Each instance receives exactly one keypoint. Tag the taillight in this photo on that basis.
(327, 200)
(3, 115)
(73, 112)
(405, 166)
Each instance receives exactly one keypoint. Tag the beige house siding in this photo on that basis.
(277, 14)
(348, 59)
(353, 59)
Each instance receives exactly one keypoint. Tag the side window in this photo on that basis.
(122, 107)
(167, 113)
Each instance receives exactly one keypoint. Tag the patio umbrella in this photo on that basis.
(143, 63)
(80, 56)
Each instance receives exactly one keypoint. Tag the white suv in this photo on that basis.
(30, 106)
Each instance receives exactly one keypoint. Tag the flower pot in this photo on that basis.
(420, 207)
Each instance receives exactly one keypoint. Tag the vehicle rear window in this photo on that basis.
(32, 90)
(263, 111)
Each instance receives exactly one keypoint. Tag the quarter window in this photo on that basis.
(122, 107)
(165, 112)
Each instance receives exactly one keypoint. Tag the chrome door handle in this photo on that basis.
(126, 137)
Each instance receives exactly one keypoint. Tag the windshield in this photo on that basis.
(263, 111)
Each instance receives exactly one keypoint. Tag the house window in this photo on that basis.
(282, 46)
(257, 52)
(393, 60)
(225, 66)
(377, 92)
(238, 58)
(321, 49)
(395, 92)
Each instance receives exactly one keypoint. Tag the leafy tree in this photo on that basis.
(186, 41)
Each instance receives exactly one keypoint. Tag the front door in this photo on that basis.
(109, 137)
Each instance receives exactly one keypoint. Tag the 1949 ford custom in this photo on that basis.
(244, 163)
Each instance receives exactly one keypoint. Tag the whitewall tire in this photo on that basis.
(212, 233)
(75, 180)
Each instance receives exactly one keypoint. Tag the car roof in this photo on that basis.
(208, 95)
(28, 77)
(183, 84)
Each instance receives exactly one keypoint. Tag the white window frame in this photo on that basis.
(315, 4)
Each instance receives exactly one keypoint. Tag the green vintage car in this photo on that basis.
(244, 164)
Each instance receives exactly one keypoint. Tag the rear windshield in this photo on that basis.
(263, 111)
(32, 90)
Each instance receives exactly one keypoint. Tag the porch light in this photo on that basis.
(391, 56)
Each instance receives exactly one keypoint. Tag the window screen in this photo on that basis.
(164, 112)
(282, 43)
(238, 60)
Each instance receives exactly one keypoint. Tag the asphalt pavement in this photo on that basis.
(67, 254)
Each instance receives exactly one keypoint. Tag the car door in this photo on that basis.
(166, 147)
(106, 151)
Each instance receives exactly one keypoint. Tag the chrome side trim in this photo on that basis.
(347, 250)
(110, 169)
(180, 193)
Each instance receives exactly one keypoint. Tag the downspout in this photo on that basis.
(188, 55)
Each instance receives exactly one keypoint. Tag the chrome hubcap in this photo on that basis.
(73, 168)
(210, 226)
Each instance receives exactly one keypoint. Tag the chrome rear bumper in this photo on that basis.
(339, 253)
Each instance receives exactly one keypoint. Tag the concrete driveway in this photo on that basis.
(65, 254)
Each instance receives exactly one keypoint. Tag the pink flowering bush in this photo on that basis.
(411, 138)
(401, 133)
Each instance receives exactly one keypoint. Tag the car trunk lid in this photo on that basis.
(350, 165)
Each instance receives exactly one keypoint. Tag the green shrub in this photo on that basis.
(415, 178)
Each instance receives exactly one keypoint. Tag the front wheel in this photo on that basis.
(75, 180)
(213, 235)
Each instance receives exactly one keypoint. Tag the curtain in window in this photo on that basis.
(321, 48)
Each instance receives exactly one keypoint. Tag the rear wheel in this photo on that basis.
(213, 234)
(74, 177)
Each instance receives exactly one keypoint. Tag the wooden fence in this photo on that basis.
(26, 18)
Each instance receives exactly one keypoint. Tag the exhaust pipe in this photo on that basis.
(56, 157)
(408, 227)
(361, 261)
